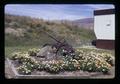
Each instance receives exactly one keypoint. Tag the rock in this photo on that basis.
(43, 51)
(47, 52)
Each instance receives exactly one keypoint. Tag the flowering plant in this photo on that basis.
(91, 62)
(102, 55)
(83, 60)
(40, 66)
(70, 64)
(16, 55)
(108, 58)
(52, 66)
(33, 51)
(24, 70)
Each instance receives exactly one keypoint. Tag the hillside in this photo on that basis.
(22, 30)
(87, 23)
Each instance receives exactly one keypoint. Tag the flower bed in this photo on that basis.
(33, 51)
(91, 62)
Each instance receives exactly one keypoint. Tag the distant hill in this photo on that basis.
(87, 23)
(86, 20)
(22, 30)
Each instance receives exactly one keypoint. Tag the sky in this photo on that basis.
(56, 11)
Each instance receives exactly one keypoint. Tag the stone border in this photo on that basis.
(19, 76)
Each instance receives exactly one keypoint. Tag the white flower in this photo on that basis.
(103, 69)
(90, 68)
(31, 65)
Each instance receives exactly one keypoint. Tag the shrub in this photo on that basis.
(52, 66)
(69, 64)
(24, 70)
(40, 66)
(102, 55)
(28, 64)
(31, 64)
(108, 58)
(15, 55)
(33, 51)
(78, 54)
(86, 61)
(91, 62)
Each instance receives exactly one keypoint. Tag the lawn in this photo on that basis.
(9, 50)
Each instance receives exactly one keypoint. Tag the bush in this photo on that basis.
(52, 66)
(102, 55)
(78, 54)
(70, 64)
(15, 55)
(91, 62)
(24, 70)
(40, 66)
(86, 61)
(23, 58)
(28, 64)
(33, 51)
(108, 58)
(31, 64)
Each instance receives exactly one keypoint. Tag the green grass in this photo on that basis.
(98, 50)
(9, 50)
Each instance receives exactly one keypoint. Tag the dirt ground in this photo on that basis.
(9, 74)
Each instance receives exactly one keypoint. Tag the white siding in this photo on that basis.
(104, 26)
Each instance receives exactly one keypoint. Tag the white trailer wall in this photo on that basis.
(104, 26)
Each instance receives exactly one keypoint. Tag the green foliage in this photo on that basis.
(52, 66)
(40, 66)
(24, 70)
(33, 51)
(87, 61)
(71, 64)
(34, 36)
(93, 61)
